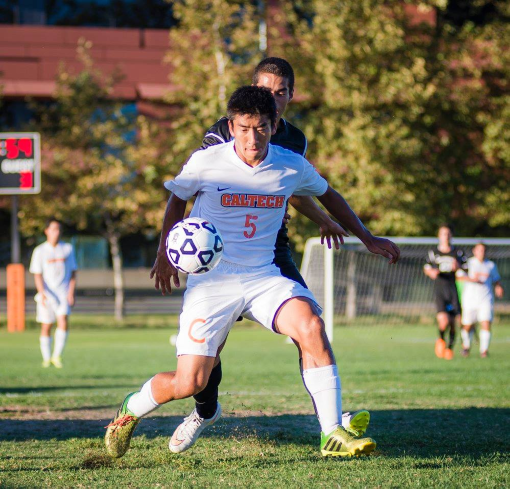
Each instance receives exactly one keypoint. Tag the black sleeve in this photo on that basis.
(431, 260)
(218, 133)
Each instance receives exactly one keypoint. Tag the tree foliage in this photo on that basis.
(406, 119)
(213, 51)
(102, 163)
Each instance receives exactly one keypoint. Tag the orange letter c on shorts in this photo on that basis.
(191, 337)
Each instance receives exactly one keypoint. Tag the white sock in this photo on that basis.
(142, 403)
(45, 344)
(60, 342)
(323, 385)
(466, 338)
(485, 339)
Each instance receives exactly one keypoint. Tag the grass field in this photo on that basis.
(437, 423)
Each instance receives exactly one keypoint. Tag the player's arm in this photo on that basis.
(340, 210)
(430, 268)
(72, 289)
(430, 271)
(329, 229)
(162, 269)
(498, 288)
(39, 285)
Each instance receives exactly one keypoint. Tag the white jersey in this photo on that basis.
(246, 204)
(485, 272)
(56, 265)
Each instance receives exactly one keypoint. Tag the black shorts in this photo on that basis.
(284, 261)
(446, 297)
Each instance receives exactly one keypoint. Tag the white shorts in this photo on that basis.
(55, 305)
(214, 301)
(477, 312)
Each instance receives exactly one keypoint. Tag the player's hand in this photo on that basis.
(384, 247)
(498, 290)
(70, 299)
(433, 273)
(286, 218)
(43, 299)
(332, 231)
(164, 273)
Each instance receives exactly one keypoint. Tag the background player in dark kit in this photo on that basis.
(443, 262)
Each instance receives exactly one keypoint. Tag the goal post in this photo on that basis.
(355, 286)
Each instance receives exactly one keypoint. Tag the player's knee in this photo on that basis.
(311, 329)
(190, 386)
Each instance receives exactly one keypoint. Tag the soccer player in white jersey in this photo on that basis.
(478, 299)
(54, 267)
(244, 195)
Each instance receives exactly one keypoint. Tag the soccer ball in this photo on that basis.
(194, 246)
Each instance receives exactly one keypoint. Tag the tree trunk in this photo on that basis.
(118, 278)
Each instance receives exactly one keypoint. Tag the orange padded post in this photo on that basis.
(15, 297)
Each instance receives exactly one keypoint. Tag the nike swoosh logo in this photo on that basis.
(222, 189)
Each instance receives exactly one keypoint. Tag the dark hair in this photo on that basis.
(275, 66)
(50, 220)
(252, 101)
(447, 226)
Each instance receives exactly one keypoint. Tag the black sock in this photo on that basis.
(206, 402)
(441, 334)
(452, 336)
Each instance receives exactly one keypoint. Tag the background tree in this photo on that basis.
(101, 164)
(213, 51)
(402, 116)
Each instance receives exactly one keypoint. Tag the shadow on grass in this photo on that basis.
(475, 432)
(28, 390)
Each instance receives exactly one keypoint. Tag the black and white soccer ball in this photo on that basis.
(194, 246)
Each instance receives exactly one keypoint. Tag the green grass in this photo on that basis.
(437, 423)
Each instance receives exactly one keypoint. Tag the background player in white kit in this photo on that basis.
(478, 299)
(54, 267)
(244, 195)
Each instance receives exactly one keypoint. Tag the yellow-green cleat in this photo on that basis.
(340, 443)
(358, 422)
(57, 362)
(120, 430)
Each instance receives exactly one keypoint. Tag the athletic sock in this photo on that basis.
(142, 403)
(206, 401)
(45, 344)
(466, 338)
(323, 385)
(485, 339)
(451, 341)
(441, 334)
(60, 342)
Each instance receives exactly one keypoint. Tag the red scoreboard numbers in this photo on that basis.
(20, 163)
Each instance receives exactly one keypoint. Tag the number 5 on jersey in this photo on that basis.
(250, 225)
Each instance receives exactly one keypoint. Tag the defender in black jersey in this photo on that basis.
(443, 263)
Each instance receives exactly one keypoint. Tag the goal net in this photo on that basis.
(356, 287)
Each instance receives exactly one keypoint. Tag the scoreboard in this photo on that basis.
(20, 163)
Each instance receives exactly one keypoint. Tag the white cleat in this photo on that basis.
(188, 432)
(356, 423)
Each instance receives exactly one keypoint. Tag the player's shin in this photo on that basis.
(485, 339)
(323, 385)
(45, 345)
(60, 342)
(466, 338)
(452, 336)
(142, 403)
(206, 401)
